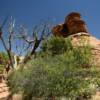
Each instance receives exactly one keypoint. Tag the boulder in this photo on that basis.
(73, 24)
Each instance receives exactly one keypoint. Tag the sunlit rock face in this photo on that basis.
(73, 24)
(83, 38)
(95, 43)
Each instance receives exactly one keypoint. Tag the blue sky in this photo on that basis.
(30, 12)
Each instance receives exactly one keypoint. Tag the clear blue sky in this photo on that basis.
(30, 12)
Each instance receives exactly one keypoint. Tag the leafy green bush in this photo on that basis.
(3, 61)
(83, 56)
(55, 76)
(3, 58)
(56, 45)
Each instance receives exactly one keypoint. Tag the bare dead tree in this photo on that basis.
(33, 41)
(8, 44)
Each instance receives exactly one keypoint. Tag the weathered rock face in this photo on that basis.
(72, 25)
(60, 30)
(90, 40)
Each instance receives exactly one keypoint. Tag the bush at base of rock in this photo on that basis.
(55, 75)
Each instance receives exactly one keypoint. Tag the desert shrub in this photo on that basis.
(56, 75)
(3, 58)
(83, 56)
(3, 61)
(50, 77)
(1, 69)
(56, 45)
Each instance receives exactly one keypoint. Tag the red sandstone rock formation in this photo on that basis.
(75, 27)
(60, 30)
(73, 24)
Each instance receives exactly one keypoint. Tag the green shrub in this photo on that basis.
(50, 77)
(60, 75)
(1, 69)
(3, 58)
(3, 61)
(83, 56)
(56, 45)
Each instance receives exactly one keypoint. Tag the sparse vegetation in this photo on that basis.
(57, 72)
(3, 60)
